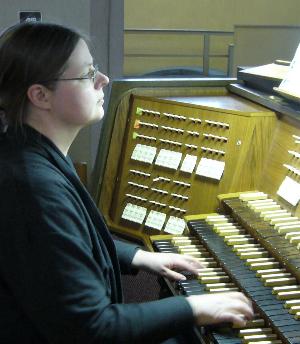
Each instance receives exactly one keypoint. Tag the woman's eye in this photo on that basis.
(90, 74)
(87, 75)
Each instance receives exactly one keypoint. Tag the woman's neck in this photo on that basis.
(61, 135)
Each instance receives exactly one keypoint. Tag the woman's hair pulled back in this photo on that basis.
(31, 53)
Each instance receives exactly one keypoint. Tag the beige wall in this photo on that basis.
(195, 14)
(209, 14)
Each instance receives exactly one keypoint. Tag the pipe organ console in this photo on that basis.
(170, 149)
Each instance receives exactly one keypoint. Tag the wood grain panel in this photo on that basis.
(274, 172)
(251, 127)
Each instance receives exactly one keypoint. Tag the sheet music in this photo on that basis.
(290, 85)
(271, 70)
(290, 191)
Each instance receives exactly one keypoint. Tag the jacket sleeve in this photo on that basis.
(59, 285)
(126, 252)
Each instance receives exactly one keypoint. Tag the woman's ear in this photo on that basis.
(39, 96)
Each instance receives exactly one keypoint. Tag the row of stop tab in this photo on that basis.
(141, 111)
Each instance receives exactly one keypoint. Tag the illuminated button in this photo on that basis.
(224, 225)
(271, 214)
(248, 196)
(275, 275)
(252, 331)
(283, 288)
(251, 261)
(238, 239)
(211, 274)
(189, 246)
(280, 220)
(191, 250)
(267, 207)
(220, 285)
(223, 290)
(228, 232)
(263, 205)
(254, 203)
(291, 303)
(204, 270)
(216, 219)
(197, 254)
(205, 259)
(214, 279)
(263, 265)
(292, 234)
(183, 237)
(273, 341)
(294, 309)
(254, 254)
(228, 225)
(288, 295)
(292, 227)
(259, 337)
(292, 224)
(280, 281)
(207, 264)
(237, 247)
(249, 249)
(269, 271)
(295, 240)
(184, 241)
(252, 324)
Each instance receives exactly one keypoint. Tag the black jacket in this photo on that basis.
(59, 267)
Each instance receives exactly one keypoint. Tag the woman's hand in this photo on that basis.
(231, 307)
(166, 264)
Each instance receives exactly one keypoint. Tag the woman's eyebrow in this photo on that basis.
(87, 64)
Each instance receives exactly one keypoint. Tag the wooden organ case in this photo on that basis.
(168, 150)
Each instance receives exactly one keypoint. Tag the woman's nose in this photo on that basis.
(101, 80)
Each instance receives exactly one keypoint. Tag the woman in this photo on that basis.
(59, 267)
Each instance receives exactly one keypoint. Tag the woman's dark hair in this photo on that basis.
(29, 54)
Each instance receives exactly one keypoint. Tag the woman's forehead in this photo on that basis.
(81, 56)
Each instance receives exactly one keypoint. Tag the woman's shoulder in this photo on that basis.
(30, 169)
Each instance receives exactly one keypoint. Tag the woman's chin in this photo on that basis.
(98, 116)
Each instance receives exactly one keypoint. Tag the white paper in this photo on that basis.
(290, 84)
(168, 158)
(155, 220)
(289, 190)
(134, 213)
(175, 225)
(188, 163)
(144, 153)
(210, 168)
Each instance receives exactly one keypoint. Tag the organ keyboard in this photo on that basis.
(246, 248)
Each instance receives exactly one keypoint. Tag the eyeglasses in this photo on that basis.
(91, 75)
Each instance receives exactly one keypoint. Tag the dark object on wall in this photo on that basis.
(183, 72)
(28, 16)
